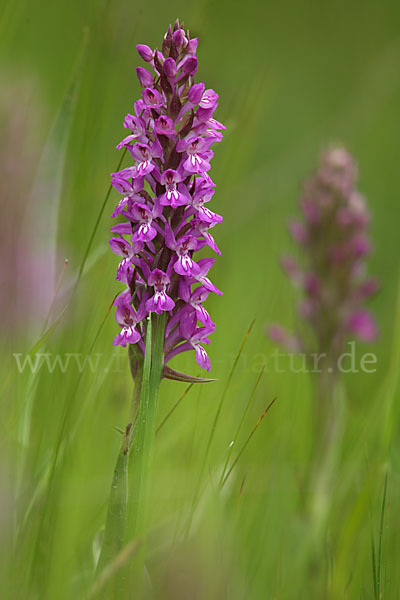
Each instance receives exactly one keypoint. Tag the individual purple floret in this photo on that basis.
(165, 219)
(333, 236)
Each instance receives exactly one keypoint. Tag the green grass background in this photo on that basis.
(292, 77)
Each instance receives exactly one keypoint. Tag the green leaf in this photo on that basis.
(114, 533)
(43, 210)
(169, 373)
(141, 456)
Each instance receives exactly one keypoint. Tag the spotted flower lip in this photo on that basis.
(197, 152)
(144, 154)
(142, 215)
(334, 241)
(207, 105)
(127, 319)
(184, 247)
(164, 214)
(160, 301)
(176, 193)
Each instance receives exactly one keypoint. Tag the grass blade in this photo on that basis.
(214, 427)
(243, 448)
(374, 574)
(96, 226)
(246, 410)
(175, 406)
(43, 210)
(378, 572)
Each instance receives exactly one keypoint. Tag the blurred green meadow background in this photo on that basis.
(293, 78)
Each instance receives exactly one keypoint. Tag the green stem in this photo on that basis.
(329, 432)
(141, 454)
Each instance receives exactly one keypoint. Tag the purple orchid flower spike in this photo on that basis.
(330, 276)
(162, 213)
(333, 237)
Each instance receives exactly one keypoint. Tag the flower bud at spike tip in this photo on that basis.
(145, 52)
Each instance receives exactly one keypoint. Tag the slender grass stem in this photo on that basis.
(54, 298)
(234, 441)
(378, 573)
(243, 448)
(213, 429)
(374, 574)
(175, 406)
(96, 226)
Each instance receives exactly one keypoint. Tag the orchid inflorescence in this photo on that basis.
(333, 236)
(165, 217)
